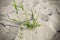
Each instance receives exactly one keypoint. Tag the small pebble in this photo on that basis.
(58, 31)
(50, 14)
(46, 20)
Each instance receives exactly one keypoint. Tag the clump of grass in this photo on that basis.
(33, 23)
(30, 24)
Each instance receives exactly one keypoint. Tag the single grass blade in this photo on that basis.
(21, 6)
(15, 6)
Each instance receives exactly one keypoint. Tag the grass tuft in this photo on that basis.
(33, 23)
(30, 24)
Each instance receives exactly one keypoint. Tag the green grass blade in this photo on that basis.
(21, 6)
(15, 6)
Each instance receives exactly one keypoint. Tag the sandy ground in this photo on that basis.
(45, 10)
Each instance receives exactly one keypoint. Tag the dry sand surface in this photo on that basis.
(48, 16)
